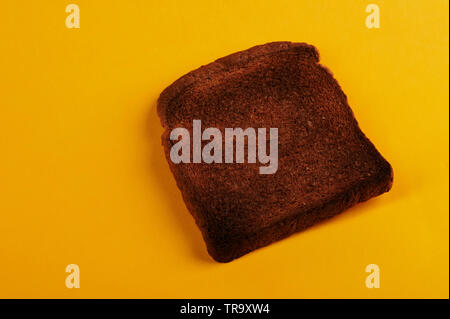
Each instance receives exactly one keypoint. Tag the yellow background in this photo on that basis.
(83, 178)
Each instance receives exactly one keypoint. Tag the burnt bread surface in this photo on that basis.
(325, 163)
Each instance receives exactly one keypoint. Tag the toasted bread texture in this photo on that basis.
(325, 163)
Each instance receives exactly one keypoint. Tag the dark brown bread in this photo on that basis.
(325, 163)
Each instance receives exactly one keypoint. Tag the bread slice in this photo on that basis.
(325, 163)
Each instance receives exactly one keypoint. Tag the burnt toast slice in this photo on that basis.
(325, 163)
